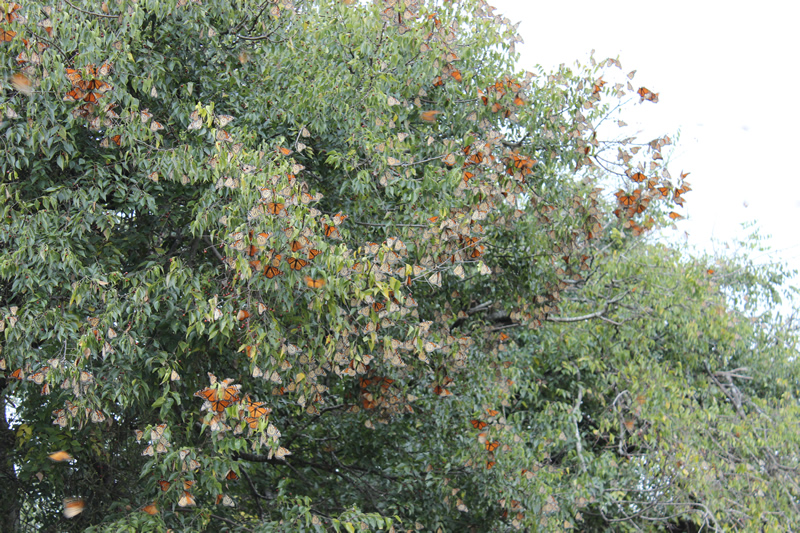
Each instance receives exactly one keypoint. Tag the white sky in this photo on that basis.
(727, 78)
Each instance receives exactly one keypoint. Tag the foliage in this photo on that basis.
(398, 256)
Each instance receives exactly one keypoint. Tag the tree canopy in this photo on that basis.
(331, 265)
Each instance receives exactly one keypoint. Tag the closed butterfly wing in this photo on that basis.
(73, 507)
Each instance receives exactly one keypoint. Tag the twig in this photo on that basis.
(90, 12)
(575, 419)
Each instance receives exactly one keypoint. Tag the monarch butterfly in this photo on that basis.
(456, 74)
(186, 500)
(18, 374)
(492, 412)
(163, 484)
(477, 252)
(338, 218)
(314, 283)
(223, 120)
(664, 191)
(229, 396)
(61, 418)
(7, 35)
(242, 315)
(73, 507)
(627, 200)
(441, 391)
(492, 445)
(255, 411)
(22, 84)
(489, 464)
(478, 424)
(284, 151)
(638, 177)
(226, 500)
(683, 189)
(476, 158)
(75, 95)
(92, 97)
(430, 115)
(675, 216)
(273, 432)
(150, 509)
(60, 456)
(647, 94)
(156, 126)
(313, 253)
(71, 408)
(437, 81)
(332, 232)
(296, 263)
(271, 271)
(93, 85)
(274, 208)
(9, 14)
(232, 476)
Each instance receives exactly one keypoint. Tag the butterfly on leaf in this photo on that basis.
(226, 500)
(478, 424)
(274, 208)
(332, 232)
(220, 400)
(186, 500)
(271, 271)
(255, 411)
(627, 199)
(296, 263)
(441, 391)
(314, 283)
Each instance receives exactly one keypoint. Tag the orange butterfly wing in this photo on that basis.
(295, 263)
(478, 424)
(274, 208)
(332, 232)
(314, 283)
(271, 272)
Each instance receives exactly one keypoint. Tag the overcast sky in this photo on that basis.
(727, 77)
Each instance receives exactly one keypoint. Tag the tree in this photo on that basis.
(282, 266)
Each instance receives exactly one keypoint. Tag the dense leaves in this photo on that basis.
(322, 265)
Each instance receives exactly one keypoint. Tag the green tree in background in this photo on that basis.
(292, 266)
